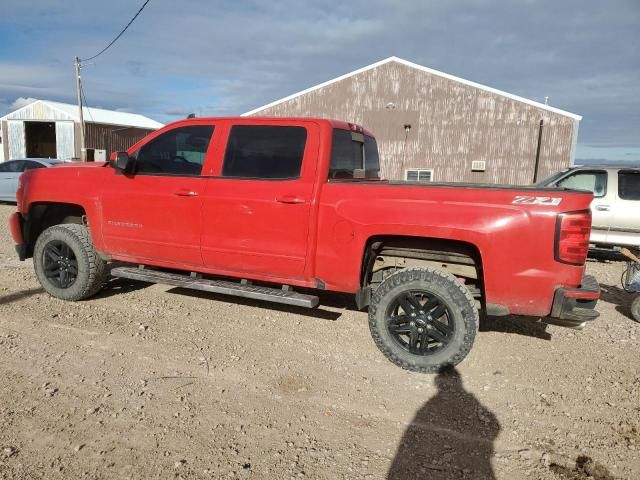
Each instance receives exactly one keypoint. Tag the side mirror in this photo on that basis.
(123, 162)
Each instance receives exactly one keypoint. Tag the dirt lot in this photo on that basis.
(154, 382)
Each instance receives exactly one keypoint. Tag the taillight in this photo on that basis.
(572, 237)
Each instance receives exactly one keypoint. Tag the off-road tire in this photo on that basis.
(451, 292)
(92, 270)
(635, 308)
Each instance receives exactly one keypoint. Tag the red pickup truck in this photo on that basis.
(258, 206)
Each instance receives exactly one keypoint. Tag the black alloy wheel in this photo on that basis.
(420, 322)
(60, 264)
(423, 319)
(67, 264)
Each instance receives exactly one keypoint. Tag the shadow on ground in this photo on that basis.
(116, 286)
(518, 325)
(605, 256)
(17, 296)
(618, 297)
(585, 468)
(326, 299)
(527, 326)
(451, 436)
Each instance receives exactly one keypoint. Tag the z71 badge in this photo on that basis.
(526, 200)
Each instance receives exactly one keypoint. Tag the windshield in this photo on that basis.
(353, 155)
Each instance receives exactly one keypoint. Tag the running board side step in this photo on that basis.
(244, 289)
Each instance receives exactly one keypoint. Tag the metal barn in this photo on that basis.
(432, 126)
(45, 129)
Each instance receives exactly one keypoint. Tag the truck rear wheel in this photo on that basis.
(66, 264)
(423, 320)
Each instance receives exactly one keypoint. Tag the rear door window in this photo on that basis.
(593, 181)
(264, 152)
(629, 185)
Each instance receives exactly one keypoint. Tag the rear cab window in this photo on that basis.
(629, 184)
(354, 155)
(594, 181)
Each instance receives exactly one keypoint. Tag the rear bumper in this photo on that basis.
(16, 222)
(574, 307)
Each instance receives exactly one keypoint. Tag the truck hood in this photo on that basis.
(81, 165)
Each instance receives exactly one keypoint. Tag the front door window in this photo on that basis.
(177, 152)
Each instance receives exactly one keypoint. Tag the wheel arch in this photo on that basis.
(42, 215)
(419, 250)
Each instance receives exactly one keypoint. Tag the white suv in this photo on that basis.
(616, 202)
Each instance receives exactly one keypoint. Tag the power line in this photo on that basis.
(84, 99)
(119, 35)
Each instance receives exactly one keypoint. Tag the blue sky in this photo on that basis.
(227, 57)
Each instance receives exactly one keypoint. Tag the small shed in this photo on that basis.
(46, 129)
(432, 126)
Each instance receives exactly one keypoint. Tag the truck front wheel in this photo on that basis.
(423, 319)
(66, 264)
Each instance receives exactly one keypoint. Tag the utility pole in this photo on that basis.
(535, 168)
(79, 94)
(407, 127)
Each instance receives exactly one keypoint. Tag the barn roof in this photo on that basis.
(91, 115)
(423, 69)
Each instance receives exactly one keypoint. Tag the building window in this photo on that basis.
(418, 175)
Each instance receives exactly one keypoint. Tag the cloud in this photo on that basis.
(22, 102)
(185, 57)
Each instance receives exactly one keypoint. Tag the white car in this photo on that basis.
(12, 169)
(616, 203)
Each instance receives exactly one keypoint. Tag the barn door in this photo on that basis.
(15, 133)
(65, 140)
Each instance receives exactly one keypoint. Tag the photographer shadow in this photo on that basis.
(450, 437)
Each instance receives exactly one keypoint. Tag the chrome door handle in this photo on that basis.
(290, 199)
(603, 208)
(186, 193)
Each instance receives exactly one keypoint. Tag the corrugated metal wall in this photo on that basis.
(15, 138)
(65, 139)
(38, 111)
(97, 136)
(452, 124)
(112, 138)
(5, 142)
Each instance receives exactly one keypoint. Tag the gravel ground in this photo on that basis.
(156, 382)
